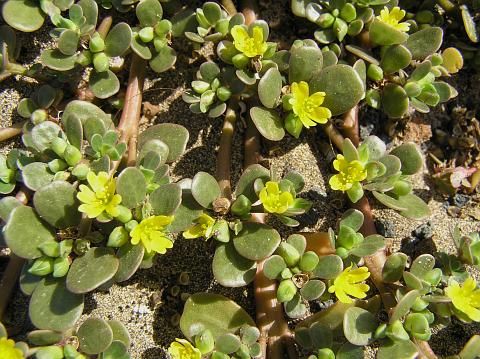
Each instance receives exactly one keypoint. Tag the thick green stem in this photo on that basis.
(224, 161)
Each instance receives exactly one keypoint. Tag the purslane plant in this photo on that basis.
(115, 206)
(386, 175)
(94, 336)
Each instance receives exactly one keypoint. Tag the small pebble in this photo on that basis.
(425, 231)
(460, 200)
(385, 228)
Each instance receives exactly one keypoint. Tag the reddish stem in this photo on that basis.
(224, 161)
(128, 125)
(12, 131)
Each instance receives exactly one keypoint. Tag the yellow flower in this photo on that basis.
(249, 46)
(182, 349)
(350, 283)
(100, 196)
(307, 107)
(8, 350)
(202, 228)
(350, 172)
(151, 232)
(466, 298)
(393, 18)
(274, 200)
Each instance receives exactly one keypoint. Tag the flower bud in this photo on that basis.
(146, 34)
(205, 342)
(42, 266)
(80, 171)
(124, 214)
(326, 353)
(38, 116)
(60, 267)
(402, 188)
(57, 165)
(129, 226)
(58, 146)
(100, 62)
(240, 61)
(118, 237)
(81, 246)
(163, 27)
(72, 155)
(223, 93)
(286, 291)
(96, 44)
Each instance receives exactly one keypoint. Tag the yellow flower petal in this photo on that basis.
(8, 349)
(182, 349)
(249, 46)
(320, 114)
(350, 283)
(151, 233)
(307, 107)
(393, 18)
(194, 231)
(273, 199)
(99, 196)
(349, 174)
(465, 298)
